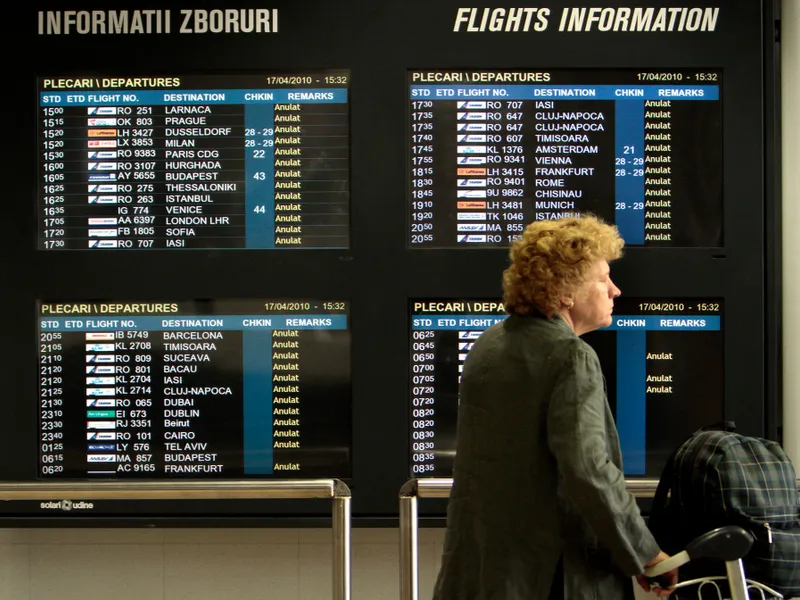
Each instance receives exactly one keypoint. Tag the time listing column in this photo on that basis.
(54, 432)
(59, 153)
(442, 334)
(425, 344)
(429, 205)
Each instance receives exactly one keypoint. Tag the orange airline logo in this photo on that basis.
(103, 133)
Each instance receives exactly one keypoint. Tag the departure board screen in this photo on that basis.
(194, 162)
(490, 151)
(662, 361)
(196, 389)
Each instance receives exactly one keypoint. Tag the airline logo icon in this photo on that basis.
(100, 380)
(471, 149)
(99, 391)
(102, 133)
(471, 216)
(471, 205)
(99, 154)
(102, 199)
(100, 337)
(471, 238)
(101, 402)
(99, 348)
(469, 335)
(101, 458)
(103, 244)
(102, 447)
(100, 358)
(102, 188)
(471, 227)
(468, 104)
(100, 369)
(102, 177)
(471, 138)
(465, 345)
(471, 183)
(469, 171)
(102, 233)
(101, 110)
(471, 126)
(105, 122)
(462, 357)
(101, 435)
(101, 221)
(471, 116)
(101, 425)
(472, 160)
(102, 166)
(102, 143)
(471, 194)
(460, 368)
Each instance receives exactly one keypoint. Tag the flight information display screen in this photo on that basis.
(662, 360)
(194, 162)
(196, 389)
(490, 151)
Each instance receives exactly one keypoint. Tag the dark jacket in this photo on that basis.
(538, 474)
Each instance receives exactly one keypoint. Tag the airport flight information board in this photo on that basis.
(212, 388)
(489, 151)
(194, 162)
(662, 361)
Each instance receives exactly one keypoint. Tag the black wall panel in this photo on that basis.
(378, 43)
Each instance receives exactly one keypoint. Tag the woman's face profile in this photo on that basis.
(594, 300)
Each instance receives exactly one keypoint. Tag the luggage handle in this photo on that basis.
(727, 543)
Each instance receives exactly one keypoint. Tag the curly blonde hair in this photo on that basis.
(552, 258)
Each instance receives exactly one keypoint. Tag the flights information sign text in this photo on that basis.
(490, 151)
(217, 388)
(195, 162)
(662, 361)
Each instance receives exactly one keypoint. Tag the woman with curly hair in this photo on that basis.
(539, 508)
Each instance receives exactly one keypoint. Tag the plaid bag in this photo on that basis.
(718, 478)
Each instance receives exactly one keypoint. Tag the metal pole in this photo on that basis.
(736, 580)
(212, 490)
(341, 542)
(409, 548)
(642, 488)
(170, 490)
(434, 487)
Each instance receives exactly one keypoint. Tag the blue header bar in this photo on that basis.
(162, 97)
(454, 322)
(665, 323)
(565, 92)
(189, 323)
(621, 323)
